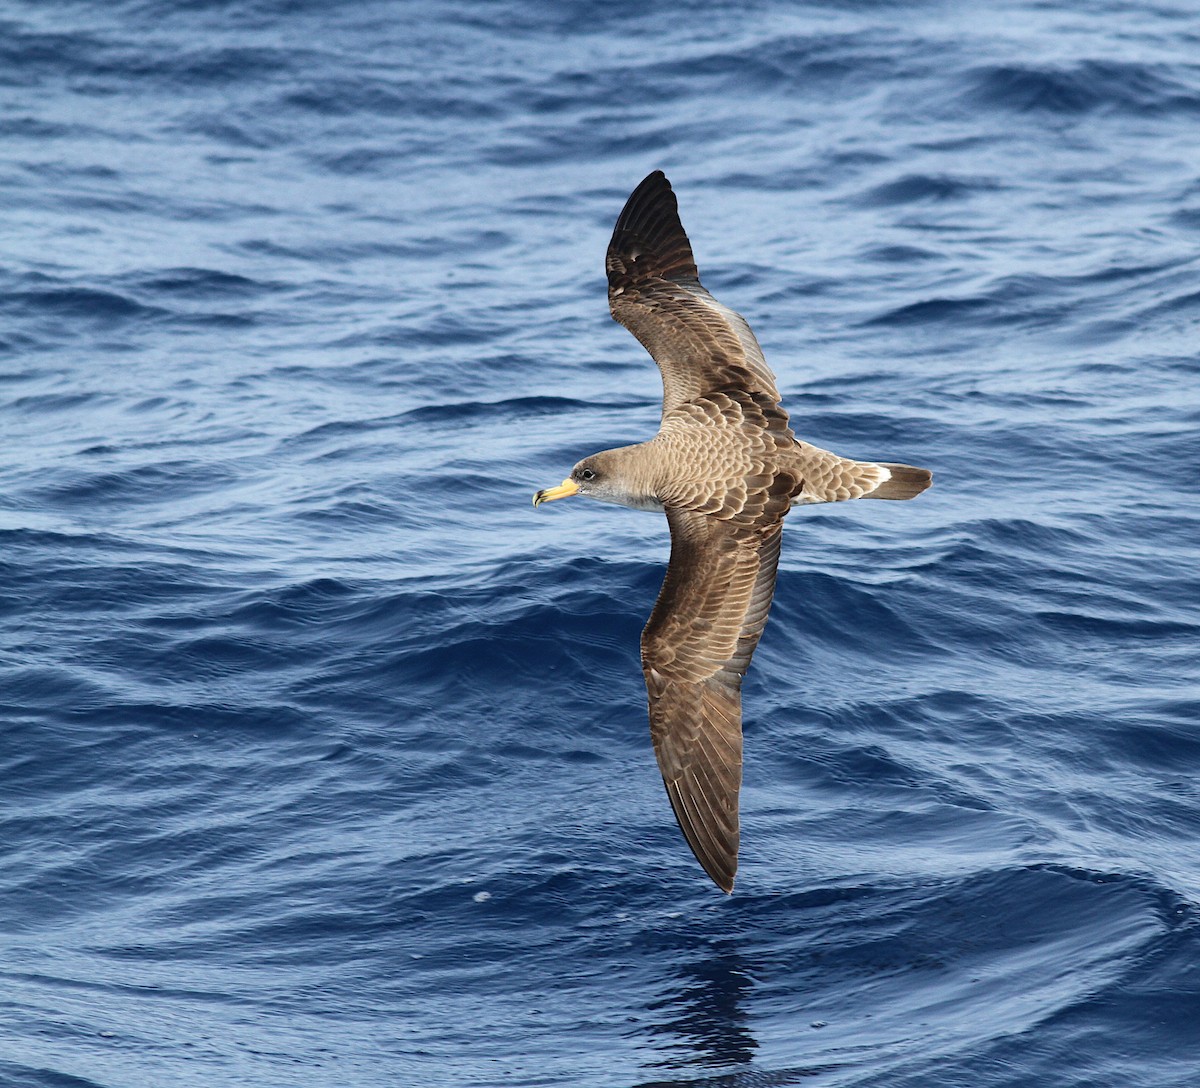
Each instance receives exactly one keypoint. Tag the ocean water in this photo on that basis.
(324, 757)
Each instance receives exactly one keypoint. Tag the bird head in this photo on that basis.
(584, 480)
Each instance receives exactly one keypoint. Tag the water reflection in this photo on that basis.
(704, 1015)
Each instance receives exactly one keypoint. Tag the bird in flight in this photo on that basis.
(725, 468)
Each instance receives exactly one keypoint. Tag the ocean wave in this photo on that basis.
(1083, 87)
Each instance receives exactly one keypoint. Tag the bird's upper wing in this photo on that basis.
(654, 291)
(695, 650)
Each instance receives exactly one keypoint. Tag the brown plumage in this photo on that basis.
(726, 468)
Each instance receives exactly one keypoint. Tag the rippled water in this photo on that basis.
(325, 758)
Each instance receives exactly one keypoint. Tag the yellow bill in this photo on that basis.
(564, 491)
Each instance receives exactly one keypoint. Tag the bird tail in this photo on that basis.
(904, 482)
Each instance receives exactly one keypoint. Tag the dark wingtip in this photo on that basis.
(722, 879)
(719, 870)
(654, 181)
(648, 241)
(716, 849)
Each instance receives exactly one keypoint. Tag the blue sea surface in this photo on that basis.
(324, 757)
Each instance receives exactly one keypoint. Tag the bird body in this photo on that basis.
(726, 468)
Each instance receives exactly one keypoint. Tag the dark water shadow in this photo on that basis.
(703, 1022)
(700, 1029)
(704, 1018)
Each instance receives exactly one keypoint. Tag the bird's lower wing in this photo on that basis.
(695, 650)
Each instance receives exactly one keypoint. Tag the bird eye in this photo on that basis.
(587, 474)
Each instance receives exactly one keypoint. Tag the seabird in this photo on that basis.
(725, 467)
